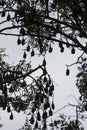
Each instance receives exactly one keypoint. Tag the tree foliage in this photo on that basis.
(82, 81)
(38, 25)
(66, 123)
(22, 95)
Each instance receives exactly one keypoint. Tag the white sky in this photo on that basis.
(56, 67)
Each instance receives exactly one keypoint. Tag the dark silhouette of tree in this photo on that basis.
(82, 81)
(64, 121)
(19, 95)
(38, 25)
(47, 22)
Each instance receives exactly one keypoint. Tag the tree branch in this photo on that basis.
(76, 61)
(22, 75)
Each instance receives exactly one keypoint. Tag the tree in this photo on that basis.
(38, 25)
(82, 81)
(17, 93)
(34, 20)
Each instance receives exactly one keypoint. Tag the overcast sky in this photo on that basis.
(56, 64)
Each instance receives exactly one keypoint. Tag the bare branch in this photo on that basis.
(76, 61)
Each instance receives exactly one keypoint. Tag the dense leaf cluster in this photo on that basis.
(82, 81)
(17, 93)
(40, 24)
(65, 123)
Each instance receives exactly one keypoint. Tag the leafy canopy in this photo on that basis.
(38, 25)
